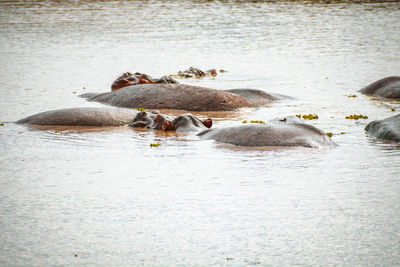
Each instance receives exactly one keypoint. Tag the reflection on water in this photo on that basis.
(104, 196)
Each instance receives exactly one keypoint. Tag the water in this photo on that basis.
(103, 197)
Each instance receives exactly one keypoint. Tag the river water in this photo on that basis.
(104, 197)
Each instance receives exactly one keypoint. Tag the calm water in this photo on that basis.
(103, 197)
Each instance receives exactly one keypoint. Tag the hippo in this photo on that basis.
(197, 73)
(276, 133)
(180, 97)
(388, 87)
(157, 121)
(386, 129)
(81, 117)
(128, 79)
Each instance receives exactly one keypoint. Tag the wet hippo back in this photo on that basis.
(275, 134)
(386, 129)
(388, 87)
(81, 117)
(172, 96)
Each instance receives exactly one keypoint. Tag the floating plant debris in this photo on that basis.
(308, 117)
(356, 117)
(256, 121)
(141, 109)
(244, 121)
(57, 131)
(392, 110)
(155, 145)
(1, 124)
(351, 95)
(329, 134)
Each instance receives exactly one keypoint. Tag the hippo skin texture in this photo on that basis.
(274, 134)
(81, 117)
(174, 96)
(386, 129)
(388, 87)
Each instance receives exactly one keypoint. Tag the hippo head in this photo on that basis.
(188, 122)
(157, 121)
(143, 119)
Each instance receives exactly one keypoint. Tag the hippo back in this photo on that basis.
(388, 87)
(81, 117)
(386, 129)
(172, 96)
(276, 134)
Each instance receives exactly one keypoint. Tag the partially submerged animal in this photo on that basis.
(276, 133)
(128, 79)
(157, 121)
(388, 87)
(81, 117)
(182, 97)
(386, 129)
(197, 73)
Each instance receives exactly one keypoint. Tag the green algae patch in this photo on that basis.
(1, 124)
(307, 116)
(356, 117)
(392, 110)
(351, 95)
(329, 134)
(57, 131)
(155, 145)
(254, 121)
(257, 121)
(141, 109)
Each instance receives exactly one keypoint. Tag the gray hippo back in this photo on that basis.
(81, 117)
(274, 134)
(386, 129)
(388, 87)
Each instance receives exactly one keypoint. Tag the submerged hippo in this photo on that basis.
(271, 134)
(388, 87)
(197, 73)
(157, 121)
(128, 79)
(82, 117)
(181, 97)
(386, 129)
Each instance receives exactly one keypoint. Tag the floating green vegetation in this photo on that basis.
(230, 258)
(356, 117)
(1, 124)
(155, 145)
(392, 110)
(351, 95)
(244, 121)
(76, 255)
(329, 134)
(57, 131)
(308, 117)
(342, 132)
(74, 92)
(141, 109)
(84, 88)
(259, 122)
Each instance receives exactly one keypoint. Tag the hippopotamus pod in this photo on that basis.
(274, 134)
(81, 117)
(157, 121)
(388, 87)
(173, 96)
(386, 129)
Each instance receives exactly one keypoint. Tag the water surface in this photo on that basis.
(103, 197)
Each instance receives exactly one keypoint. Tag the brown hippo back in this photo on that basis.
(172, 96)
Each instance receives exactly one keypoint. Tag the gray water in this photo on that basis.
(104, 197)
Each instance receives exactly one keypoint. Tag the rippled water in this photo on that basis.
(103, 197)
